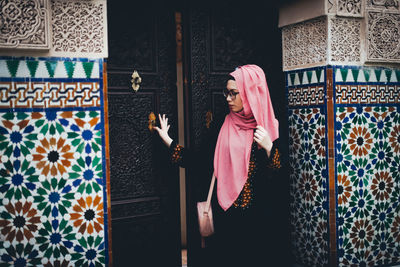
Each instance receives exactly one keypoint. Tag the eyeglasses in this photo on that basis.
(229, 93)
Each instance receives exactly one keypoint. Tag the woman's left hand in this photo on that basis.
(263, 139)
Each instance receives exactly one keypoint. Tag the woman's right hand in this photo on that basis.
(163, 130)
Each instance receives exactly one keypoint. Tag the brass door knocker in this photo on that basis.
(136, 81)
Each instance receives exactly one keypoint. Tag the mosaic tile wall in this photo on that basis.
(347, 213)
(53, 209)
(367, 131)
(308, 175)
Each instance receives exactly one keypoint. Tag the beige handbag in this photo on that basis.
(205, 215)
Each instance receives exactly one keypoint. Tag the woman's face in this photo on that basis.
(233, 98)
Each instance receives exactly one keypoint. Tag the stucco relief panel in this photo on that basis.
(79, 27)
(389, 5)
(345, 44)
(24, 24)
(383, 35)
(331, 7)
(305, 44)
(352, 8)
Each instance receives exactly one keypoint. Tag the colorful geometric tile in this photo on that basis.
(367, 202)
(40, 94)
(362, 75)
(52, 210)
(305, 96)
(308, 185)
(367, 168)
(367, 94)
(49, 69)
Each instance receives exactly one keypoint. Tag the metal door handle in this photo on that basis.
(152, 121)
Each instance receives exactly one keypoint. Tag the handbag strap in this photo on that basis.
(210, 194)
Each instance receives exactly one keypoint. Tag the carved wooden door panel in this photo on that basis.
(223, 37)
(144, 188)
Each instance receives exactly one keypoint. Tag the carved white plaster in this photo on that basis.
(384, 5)
(352, 8)
(305, 44)
(331, 6)
(383, 37)
(24, 24)
(345, 40)
(79, 28)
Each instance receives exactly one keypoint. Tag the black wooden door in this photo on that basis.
(144, 188)
(219, 37)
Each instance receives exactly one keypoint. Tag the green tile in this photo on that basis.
(51, 67)
(378, 75)
(367, 74)
(388, 74)
(88, 67)
(12, 66)
(32, 66)
(292, 76)
(309, 75)
(318, 71)
(70, 67)
(398, 75)
(355, 74)
(344, 74)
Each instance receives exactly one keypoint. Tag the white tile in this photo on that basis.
(289, 81)
(383, 78)
(23, 71)
(393, 78)
(349, 77)
(305, 78)
(41, 71)
(372, 76)
(314, 77)
(361, 76)
(4, 70)
(79, 72)
(96, 70)
(338, 76)
(60, 71)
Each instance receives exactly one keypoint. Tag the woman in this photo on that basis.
(245, 160)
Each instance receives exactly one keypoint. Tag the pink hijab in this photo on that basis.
(232, 152)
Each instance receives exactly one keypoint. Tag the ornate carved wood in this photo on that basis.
(144, 188)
